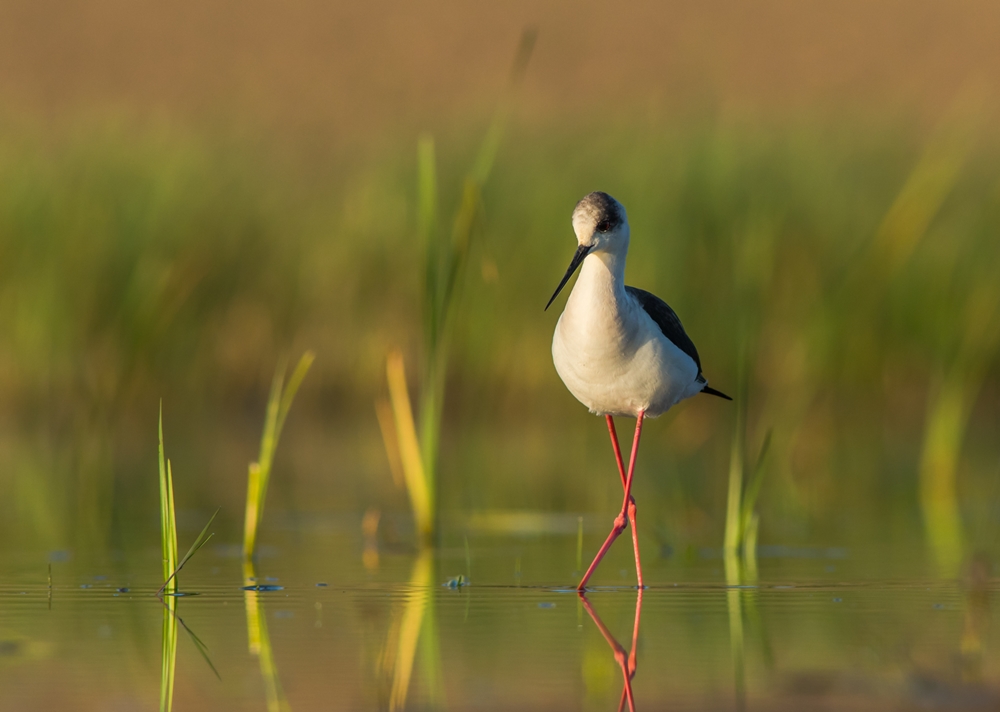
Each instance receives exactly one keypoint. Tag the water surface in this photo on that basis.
(346, 624)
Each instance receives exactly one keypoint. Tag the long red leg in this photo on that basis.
(631, 499)
(621, 701)
(617, 447)
(619, 525)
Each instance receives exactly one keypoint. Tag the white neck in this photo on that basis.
(600, 289)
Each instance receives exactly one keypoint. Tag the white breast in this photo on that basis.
(611, 355)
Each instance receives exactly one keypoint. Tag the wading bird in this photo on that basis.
(619, 350)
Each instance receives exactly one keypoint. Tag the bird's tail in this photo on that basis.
(712, 392)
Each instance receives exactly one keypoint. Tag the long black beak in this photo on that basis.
(581, 252)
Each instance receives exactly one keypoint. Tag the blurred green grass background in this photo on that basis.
(150, 249)
(139, 261)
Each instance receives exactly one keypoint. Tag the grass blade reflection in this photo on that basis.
(168, 654)
(260, 642)
(418, 625)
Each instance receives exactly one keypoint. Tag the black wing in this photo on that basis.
(668, 321)
(670, 324)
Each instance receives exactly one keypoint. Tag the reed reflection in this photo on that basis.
(260, 641)
(168, 659)
(415, 634)
(626, 660)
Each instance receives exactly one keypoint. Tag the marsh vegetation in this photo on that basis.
(829, 537)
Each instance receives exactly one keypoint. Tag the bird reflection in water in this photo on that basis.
(626, 660)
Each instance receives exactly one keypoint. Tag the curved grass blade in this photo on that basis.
(195, 547)
(279, 402)
(753, 488)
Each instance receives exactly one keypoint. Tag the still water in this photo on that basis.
(490, 622)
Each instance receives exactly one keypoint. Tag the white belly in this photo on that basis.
(621, 364)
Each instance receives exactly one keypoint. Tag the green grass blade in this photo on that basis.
(171, 529)
(195, 547)
(172, 542)
(279, 402)
(199, 542)
(446, 261)
(753, 488)
(427, 199)
(250, 518)
(168, 519)
(164, 502)
(268, 436)
(298, 375)
(734, 498)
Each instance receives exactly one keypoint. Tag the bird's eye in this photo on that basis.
(604, 226)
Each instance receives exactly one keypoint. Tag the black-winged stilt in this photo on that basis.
(619, 350)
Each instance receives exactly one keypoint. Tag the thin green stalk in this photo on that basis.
(752, 490)
(171, 567)
(279, 402)
(742, 522)
(947, 418)
(734, 498)
(427, 201)
(202, 539)
(445, 264)
(737, 462)
(431, 402)
(168, 520)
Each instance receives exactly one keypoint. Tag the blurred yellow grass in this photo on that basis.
(414, 635)
(445, 260)
(408, 448)
(259, 473)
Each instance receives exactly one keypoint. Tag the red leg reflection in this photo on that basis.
(627, 662)
(628, 505)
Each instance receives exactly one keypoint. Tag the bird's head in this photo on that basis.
(601, 225)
